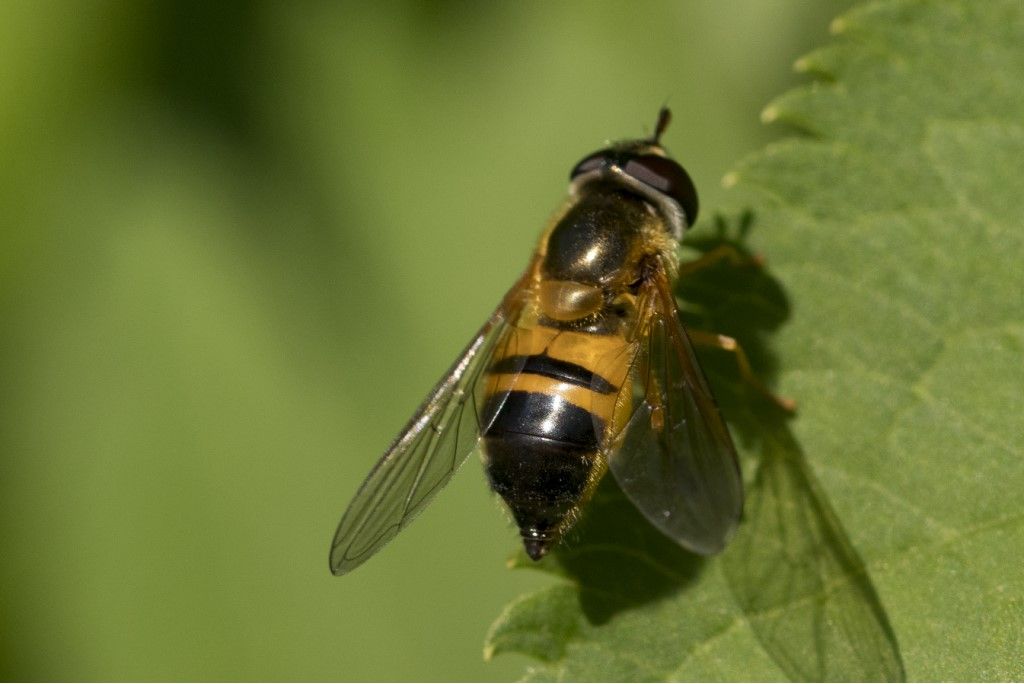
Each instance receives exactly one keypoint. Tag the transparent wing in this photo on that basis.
(799, 579)
(425, 455)
(667, 444)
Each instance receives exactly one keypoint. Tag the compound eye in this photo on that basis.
(591, 162)
(666, 176)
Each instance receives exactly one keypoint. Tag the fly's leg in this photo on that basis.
(726, 343)
(653, 396)
(723, 252)
(656, 404)
(732, 255)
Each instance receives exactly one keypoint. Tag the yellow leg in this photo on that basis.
(726, 343)
(723, 252)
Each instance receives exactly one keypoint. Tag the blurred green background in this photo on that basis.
(238, 243)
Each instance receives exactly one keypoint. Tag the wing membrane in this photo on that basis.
(668, 447)
(801, 582)
(423, 458)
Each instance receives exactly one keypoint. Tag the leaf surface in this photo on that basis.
(884, 526)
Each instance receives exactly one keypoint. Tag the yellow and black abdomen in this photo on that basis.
(553, 384)
(545, 413)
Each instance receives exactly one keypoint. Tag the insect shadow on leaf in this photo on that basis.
(792, 569)
(618, 559)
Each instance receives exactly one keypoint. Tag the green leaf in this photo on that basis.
(884, 525)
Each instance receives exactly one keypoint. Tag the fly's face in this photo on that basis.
(583, 368)
(644, 168)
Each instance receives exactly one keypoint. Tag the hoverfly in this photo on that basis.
(583, 367)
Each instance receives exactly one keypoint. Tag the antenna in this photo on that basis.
(664, 119)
